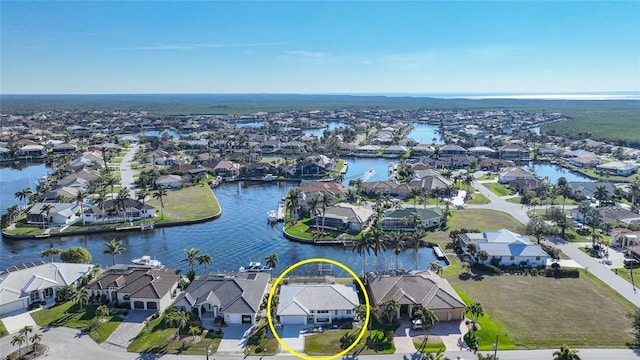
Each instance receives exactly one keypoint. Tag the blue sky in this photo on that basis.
(96, 47)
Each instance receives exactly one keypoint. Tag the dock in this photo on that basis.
(439, 253)
(282, 210)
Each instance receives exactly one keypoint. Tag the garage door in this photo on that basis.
(234, 319)
(11, 307)
(138, 304)
(152, 305)
(293, 319)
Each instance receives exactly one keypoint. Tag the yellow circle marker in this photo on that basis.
(366, 302)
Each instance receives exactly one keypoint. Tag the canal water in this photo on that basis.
(240, 235)
(425, 134)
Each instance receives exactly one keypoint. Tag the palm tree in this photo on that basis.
(191, 257)
(566, 353)
(35, 341)
(476, 310)
(12, 213)
(80, 298)
(26, 330)
(472, 249)
(121, 201)
(563, 189)
(396, 239)
(18, 339)
(377, 240)
(415, 239)
(388, 309)
(272, 260)
(292, 200)
(313, 203)
(483, 255)
(206, 260)
(80, 200)
(487, 357)
(44, 212)
(325, 200)
(100, 200)
(24, 194)
(427, 318)
(414, 193)
(141, 195)
(111, 182)
(435, 267)
(363, 246)
(601, 194)
(468, 180)
(113, 248)
(159, 195)
(634, 189)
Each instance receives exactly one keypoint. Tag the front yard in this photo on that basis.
(69, 314)
(332, 342)
(498, 189)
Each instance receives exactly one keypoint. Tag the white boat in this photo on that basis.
(269, 177)
(148, 261)
(282, 209)
(254, 266)
(272, 216)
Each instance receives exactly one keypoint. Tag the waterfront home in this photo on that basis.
(584, 161)
(368, 150)
(170, 181)
(612, 215)
(480, 151)
(316, 303)
(521, 186)
(270, 146)
(26, 284)
(63, 149)
(32, 151)
(452, 150)
(588, 188)
(618, 168)
(431, 182)
(66, 193)
(87, 159)
(394, 150)
(223, 168)
(310, 189)
(507, 247)
(509, 174)
(59, 214)
(133, 210)
(421, 150)
(142, 287)
(259, 169)
(405, 220)
(386, 188)
(415, 291)
(79, 178)
(579, 153)
(514, 152)
(315, 166)
(496, 164)
(158, 157)
(344, 217)
(235, 298)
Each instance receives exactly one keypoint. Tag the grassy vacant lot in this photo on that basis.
(188, 203)
(159, 340)
(498, 189)
(485, 220)
(540, 312)
(478, 199)
(68, 314)
(334, 341)
(302, 230)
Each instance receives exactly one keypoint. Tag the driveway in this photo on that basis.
(128, 329)
(290, 335)
(16, 322)
(234, 340)
(403, 339)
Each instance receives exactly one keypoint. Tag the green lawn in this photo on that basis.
(626, 274)
(188, 203)
(498, 189)
(3, 330)
(67, 314)
(434, 343)
(332, 342)
(159, 340)
(550, 312)
(302, 230)
(478, 199)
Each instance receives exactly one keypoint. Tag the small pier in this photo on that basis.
(282, 210)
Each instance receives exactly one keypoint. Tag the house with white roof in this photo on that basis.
(316, 303)
(509, 247)
(23, 285)
(59, 214)
(618, 168)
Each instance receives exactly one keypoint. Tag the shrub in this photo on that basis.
(487, 268)
(555, 266)
(562, 273)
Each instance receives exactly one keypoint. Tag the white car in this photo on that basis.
(417, 324)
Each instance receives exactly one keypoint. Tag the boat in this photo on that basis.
(148, 261)
(269, 177)
(254, 266)
(272, 216)
(282, 209)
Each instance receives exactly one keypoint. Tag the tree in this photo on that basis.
(487, 357)
(24, 194)
(26, 330)
(634, 189)
(476, 310)
(414, 193)
(76, 255)
(80, 197)
(102, 312)
(396, 240)
(388, 309)
(635, 324)
(313, 203)
(50, 252)
(363, 246)
(35, 341)
(556, 215)
(325, 200)
(472, 249)
(272, 260)
(427, 318)
(121, 201)
(160, 195)
(435, 267)
(362, 312)
(438, 355)
(483, 256)
(601, 194)
(566, 353)
(113, 248)
(18, 339)
(468, 181)
(563, 189)
(194, 331)
(81, 297)
(377, 241)
(415, 239)
(176, 319)
(44, 212)
(206, 260)
(538, 228)
(110, 182)
(191, 256)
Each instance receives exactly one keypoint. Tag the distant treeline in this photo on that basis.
(616, 121)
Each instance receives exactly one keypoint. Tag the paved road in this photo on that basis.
(126, 173)
(71, 344)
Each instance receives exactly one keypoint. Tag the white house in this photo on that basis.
(510, 174)
(316, 304)
(25, 284)
(169, 181)
(618, 168)
(511, 248)
(57, 215)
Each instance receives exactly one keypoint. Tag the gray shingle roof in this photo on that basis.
(302, 299)
(138, 282)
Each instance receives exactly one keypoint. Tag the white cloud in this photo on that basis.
(309, 54)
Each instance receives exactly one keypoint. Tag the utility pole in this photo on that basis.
(495, 348)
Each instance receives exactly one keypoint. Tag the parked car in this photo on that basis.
(417, 324)
(630, 262)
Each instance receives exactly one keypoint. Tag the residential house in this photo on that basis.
(482, 151)
(235, 298)
(421, 150)
(403, 219)
(394, 150)
(32, 151)
(344, 217)
(368, 150)
(514, 152)
(133, 210)
(316, 303)
(431, 182)
(584, 161)
(63, 149)
(624, 237)
(223, 168)
(452, 150)
(612, 215)
(385, 187)
(508, 247)
(170, 181)
(310, 189)
(259, 169)
(521, 186)
(509, 174)
(618, 168)
(496, 164)
(270, 146)
(25, 284)
(142, 287)
(588, 188)
(59, 214)
(415, 291)
(313, 166)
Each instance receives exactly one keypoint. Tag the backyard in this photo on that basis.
(188, 203)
